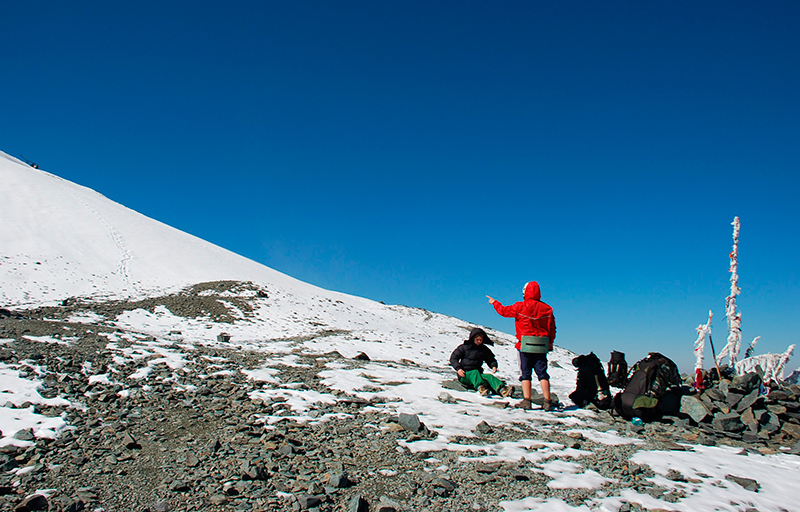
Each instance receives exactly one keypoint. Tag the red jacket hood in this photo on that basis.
(532, 291)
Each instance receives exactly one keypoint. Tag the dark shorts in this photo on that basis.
(528, 363)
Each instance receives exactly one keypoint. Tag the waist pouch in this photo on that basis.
(535, 344)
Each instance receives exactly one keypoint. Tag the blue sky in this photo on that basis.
(430, 153)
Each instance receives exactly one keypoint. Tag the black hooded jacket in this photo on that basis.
(469, 356)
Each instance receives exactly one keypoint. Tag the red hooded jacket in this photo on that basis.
(532, 317)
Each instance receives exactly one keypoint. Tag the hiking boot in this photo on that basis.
(525, 404)
(507, 391)
(548, 405)
(484, 390)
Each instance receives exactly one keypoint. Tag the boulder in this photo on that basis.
(748, 483)
(357, 504)
(410, 422)
(447, 398)
(791, 430)
(714, 395)
(340, 481)
(454, 385)
(307, 502)
(33, 502)
(730, 422)
(694, 408)
(733, 398)
(749, 420)
(747, 383)
(483, 428)
(748, 401)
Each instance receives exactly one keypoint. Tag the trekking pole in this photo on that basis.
(714, 355)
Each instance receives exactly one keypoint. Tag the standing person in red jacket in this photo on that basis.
(536, 331)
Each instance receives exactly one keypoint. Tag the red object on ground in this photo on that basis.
(698, 381)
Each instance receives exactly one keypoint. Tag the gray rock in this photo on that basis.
(747, 382)
(316, 488)
(490, 467)
(748, 401)
(161, 506)
(308, 501)
(776, 409)
(219, 500)
(387, 504)
(772, 424)
(748, 483)
(733, 398)
(714, 395)
(357, 504)
(748, 418)
(444, 483)
(750, 437)
(33, 502)
(694, 408)
(777, 395)
(286, 449)
(675, 476)
(25, 435)
(129, 442)
(728, 422)
(483, 428)
(340, 481)
(87, 493)
(252, 470)
(446, 398)
(410, 422)
(454, 385)
(791, 430)
(635, 429)
(75, 506)
(179, 486)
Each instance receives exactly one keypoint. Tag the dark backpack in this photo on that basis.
(617, 370)
(650, 379)
(591, 385)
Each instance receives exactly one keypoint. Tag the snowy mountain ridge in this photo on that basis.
(60, 240)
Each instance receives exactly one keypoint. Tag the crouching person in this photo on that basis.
(467, 360)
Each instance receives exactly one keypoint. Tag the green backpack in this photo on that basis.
(649, 380)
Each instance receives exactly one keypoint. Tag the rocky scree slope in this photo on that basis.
(157, 443)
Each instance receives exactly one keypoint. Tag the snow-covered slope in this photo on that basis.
(59, 239)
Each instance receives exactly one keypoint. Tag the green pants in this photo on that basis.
(474, 378)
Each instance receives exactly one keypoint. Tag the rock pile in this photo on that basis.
(743, 408)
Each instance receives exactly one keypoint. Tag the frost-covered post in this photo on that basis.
(731, 311)
(772, 364)
(751, 349)
(699, 346)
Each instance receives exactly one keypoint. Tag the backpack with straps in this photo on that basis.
(617, 370)
(591, 386)
(649, 381)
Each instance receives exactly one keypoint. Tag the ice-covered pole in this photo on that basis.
(751, 349)
(778, 375)
(731, 311)
(771, 364)
(699, 346)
